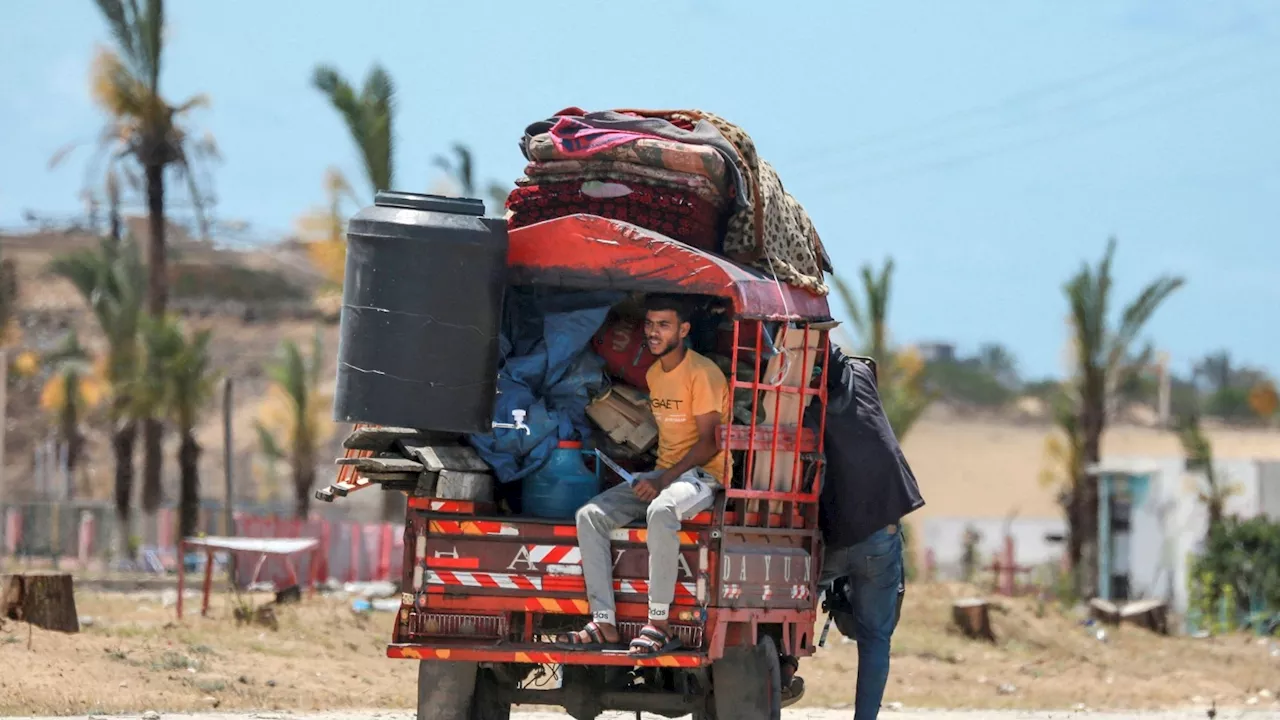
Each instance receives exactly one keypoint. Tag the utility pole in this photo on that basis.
(228, 526)
(227, 453)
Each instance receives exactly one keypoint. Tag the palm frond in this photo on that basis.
(121, 23)
(150, 28)
(851, 306)
(267, 442)
(368, 117)
(1136, 315)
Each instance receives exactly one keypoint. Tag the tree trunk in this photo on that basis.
(972, 616)
(157, 267)
(122, 442)
(189, 494)
(1092, 425)
(157, 298)
(304, 476)
(46, 600)
(71, 425)
(152, 465)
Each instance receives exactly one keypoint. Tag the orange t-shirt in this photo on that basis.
(696, 387)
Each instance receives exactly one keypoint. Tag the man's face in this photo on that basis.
(663, 331)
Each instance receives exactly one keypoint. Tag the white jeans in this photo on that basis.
(690, 494)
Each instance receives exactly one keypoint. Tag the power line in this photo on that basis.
(1215, 89)
(889, 143)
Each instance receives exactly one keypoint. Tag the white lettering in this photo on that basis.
(728, 567)
(808, 567)
(453, 553)
(743, 575)
(767, 560)
(786, 568)
(684, 566)
(617, 558)
(523, 557)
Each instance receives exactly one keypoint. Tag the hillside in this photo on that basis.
(975, 464)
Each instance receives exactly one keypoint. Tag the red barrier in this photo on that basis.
(12, 530)
(84, 544)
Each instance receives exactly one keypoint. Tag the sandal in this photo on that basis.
(597, 641)
(652, 642)
(792, 693)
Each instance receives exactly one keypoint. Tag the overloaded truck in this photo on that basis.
(489, 373)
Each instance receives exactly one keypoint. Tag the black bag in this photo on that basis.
(836, 603)
(839, 608)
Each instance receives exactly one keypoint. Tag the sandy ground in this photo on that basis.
(135, 656)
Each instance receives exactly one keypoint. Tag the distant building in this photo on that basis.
(937, 352)
(1152, 521)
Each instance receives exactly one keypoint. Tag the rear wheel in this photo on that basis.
(746, 684)
(459, 691)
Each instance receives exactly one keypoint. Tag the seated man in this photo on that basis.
(689, 396)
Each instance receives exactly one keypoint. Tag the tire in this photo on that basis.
(459, 691)
(746, 684)
(486, 699)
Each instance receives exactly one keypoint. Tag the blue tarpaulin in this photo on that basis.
(547, 369)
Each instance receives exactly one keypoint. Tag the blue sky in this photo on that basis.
(988, 147)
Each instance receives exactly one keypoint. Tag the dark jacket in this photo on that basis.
(868, 484)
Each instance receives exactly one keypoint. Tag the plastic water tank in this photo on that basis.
(421, 307)
(562, 486)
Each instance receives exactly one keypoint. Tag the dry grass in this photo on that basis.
(135, 657)
(1050, 658)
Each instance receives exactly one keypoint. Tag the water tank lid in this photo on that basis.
(429, 203)
(570, 445)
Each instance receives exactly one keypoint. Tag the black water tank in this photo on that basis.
(421, 306)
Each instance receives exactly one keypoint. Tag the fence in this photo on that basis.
(80, 535)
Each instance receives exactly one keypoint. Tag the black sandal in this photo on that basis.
(574, 641)
(652, 642)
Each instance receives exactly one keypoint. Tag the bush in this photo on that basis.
(231, 282)
(1241, 563)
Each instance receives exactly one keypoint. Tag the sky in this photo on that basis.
(990, 147)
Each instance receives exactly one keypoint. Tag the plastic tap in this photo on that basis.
(518, 425)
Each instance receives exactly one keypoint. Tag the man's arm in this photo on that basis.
(700, 454)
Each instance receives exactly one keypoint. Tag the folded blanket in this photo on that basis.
(567, 170)
(678, 214)
(573, 125)
(770, 229)
(654, 152)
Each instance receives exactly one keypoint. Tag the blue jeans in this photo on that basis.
(876, 583)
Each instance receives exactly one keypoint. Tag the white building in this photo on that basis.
(1152, 524)
(1152, 520)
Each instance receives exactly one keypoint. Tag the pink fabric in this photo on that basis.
(576, 139)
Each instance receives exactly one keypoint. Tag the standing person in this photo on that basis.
(868, 489)
(689, 396)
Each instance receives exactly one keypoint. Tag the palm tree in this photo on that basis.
(368, 117)
(296, 390)
(143, 125)
(1199, 458)
(461, 170)
(900, 374)
(1000, 363)
(188, 385)
(1102, 359)
(111, 279)
(70, 393)
(322, 229)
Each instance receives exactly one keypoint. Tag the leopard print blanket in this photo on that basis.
(770, 230)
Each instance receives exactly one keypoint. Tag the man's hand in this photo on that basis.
(645, 490)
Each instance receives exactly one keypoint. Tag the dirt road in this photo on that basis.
(806, 714)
